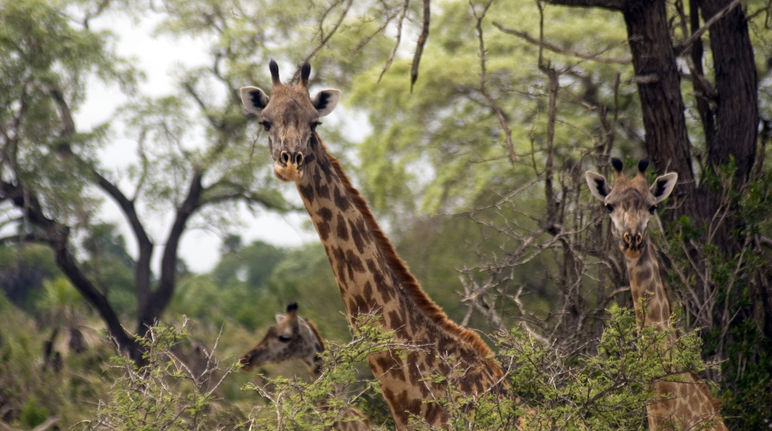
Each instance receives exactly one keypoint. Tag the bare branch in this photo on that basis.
(565, 51)
(681, 48)
(604, 4)
(401, 20)
(500, 115)
(324, 38)
(419, 46)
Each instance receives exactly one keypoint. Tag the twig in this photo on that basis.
(502, 118)
(397, 41)
(419, 46)
(557, 49)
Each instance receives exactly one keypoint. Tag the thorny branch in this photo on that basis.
(500, 115)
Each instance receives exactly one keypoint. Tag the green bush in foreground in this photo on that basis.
(605, 389)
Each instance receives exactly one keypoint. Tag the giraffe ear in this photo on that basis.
(279, 318)
(663, 186)
(325, 101)
(597, 184)
(254, 99)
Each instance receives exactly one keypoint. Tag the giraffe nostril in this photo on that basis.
(626, 238)
(638, 238)
(299, 158)
(285, 157)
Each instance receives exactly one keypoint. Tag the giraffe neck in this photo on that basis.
(650, 295)
(372, 279)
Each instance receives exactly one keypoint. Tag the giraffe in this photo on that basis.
(372, 278)
(684, 402)
(296, 337)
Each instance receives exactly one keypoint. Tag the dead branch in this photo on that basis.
(565, 51)
(419, 46)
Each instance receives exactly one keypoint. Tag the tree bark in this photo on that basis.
(160, 297)
(659, 89)
(736, 114)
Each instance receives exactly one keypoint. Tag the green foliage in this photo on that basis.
(167, 393)
(23, 270)
(31, 414)
(737, 281)
(608, 389)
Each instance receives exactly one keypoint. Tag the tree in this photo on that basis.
(49, 168)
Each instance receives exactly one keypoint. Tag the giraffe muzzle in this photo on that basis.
(289, 167)
(295, 158)
(632, 244)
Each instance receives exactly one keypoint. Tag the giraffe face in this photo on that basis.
(291, 337)
(290, 116)
(630, 203)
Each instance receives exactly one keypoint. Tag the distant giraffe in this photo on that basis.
(294, 337)
(683, 402)
(371, 278)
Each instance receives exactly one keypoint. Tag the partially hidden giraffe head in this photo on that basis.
(292, 337)
(290, 117)
(630, 203)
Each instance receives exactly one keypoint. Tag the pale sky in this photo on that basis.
(159, 57)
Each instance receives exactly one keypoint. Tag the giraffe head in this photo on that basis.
(290, 117)
(630, 203)
(291, 337)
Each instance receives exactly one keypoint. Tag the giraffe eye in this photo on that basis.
(284, 339)
(652, 209)
(609, 207)
(266, 125)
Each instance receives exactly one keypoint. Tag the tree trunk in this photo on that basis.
(736, 114)
(659, 89)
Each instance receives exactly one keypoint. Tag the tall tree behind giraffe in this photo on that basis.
(683, 402)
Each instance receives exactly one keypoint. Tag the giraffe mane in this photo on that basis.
(400, 268)
(316, 332)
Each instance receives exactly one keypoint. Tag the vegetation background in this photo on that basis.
(482, 117)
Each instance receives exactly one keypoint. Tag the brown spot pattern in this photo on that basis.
(342, 230)
(325, 213)
(356, 235)
(341, 200)
(324, 230)
(307, 192)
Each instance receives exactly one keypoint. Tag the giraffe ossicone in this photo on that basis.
(371, 277)
(683, 401)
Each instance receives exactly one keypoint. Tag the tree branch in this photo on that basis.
(161, 296)
(57, 235)
(604, 4)
(500, 115)
(681, 48)
(419, 46)
(144, 245)
(554, 48)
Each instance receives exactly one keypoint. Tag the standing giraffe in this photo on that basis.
(683, 402)
(295, 337)
(371, 278)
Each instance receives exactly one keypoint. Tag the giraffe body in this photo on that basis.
(683, 402)
(371, 278)
(294, 337)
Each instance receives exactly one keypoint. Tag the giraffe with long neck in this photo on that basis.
(683, 402)
(371, 278)
(294, 337)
